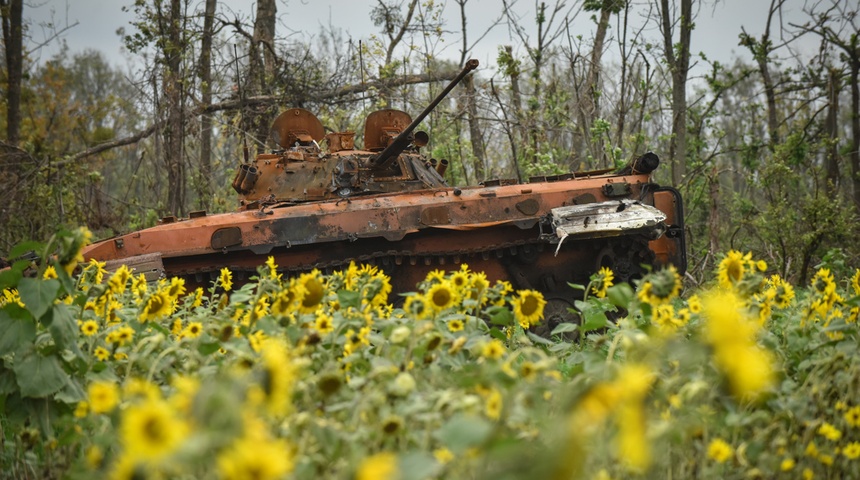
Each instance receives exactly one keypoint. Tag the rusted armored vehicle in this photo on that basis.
(317, 201)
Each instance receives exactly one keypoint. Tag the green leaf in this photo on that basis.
(349, 298)
(464, 431)
(38, 294)
(25, 247)
(10, 278)
(564, 328)
(620, 295)
(71, 393)
(594, 319)
(64, 329)
(7, 382)
(39, 376)
(498, 334)
(15, 333)
(539, 339)
(208, 348)
(500, 315)
(418, 466)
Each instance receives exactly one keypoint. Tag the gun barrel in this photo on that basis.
(400, 142)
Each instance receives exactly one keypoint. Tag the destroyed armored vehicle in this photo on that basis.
(319, 202)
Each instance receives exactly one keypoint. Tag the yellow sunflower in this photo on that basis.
(324, 323)
(257, 458)
(493, 405)
(314, 291)
(459, 280)
(193, 330)
(823, 283)
(528, 307)
(441, 296)
(89, 328)
(855, 282)
(158, 305)
(225, 279)
(660, 287)
(416, 306)
(176, 288)
(601, 281)
(102, 396)
(494, 349)
(732, 268)
(151, 430)
(382, 466)
(119, 279)
(455, 325)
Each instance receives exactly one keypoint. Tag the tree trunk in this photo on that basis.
(263, 63)
(679, 65)
(173, 93)
(205, 184)
(13, 40)
(831, 131)
(588, 99)
(475, 135)
(855, 122)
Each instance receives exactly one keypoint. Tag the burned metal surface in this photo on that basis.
(324, 206)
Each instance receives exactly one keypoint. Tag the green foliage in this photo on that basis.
(318, 376)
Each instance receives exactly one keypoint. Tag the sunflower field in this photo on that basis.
(103, 375)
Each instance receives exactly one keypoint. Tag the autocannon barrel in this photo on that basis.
(402, 140)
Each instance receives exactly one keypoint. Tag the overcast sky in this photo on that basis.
(96, 22)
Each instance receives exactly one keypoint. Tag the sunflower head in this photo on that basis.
(601, 281)
(441, 296)
(528, 307)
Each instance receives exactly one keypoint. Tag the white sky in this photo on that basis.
(716, 32)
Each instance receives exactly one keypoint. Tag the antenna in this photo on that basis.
(241, 106)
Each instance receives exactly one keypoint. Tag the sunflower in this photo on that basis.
(416, 306)
(278, 376)
(324, 323)
(479, 283)
(601, 281)
(138, 285)
(392, 424)
(49, 273)
(273, 268)
(660, 287)
(89, 328)
(225, 279)
(158, 305)
(101, 354)
(257, 458)
(151, 430)
(103, 396)
(528, 307)
(855, 282)
(441, 296)
(193, 330)
(823, 282)
(314, 291)
(459, 280)
(493, 405)
(732, 268)
(435, 276)
(783, 292)
(382, 466)
(119, 279)
(176, 288)
(494, 349)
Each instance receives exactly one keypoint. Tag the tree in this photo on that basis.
(677, 56)
(13, 38)
(205, 74)
(837, 25)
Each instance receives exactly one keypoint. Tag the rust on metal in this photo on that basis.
(323, 206)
